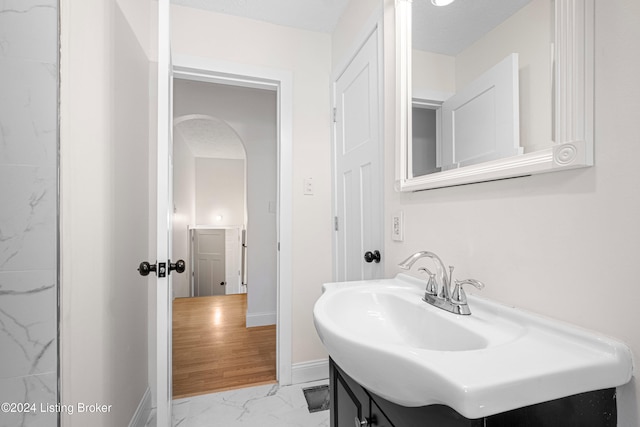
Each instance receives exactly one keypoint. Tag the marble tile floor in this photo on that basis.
(261, 406)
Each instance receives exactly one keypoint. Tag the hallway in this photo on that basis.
(214, 351)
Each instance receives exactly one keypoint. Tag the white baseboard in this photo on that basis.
(143, 411)
(261, 319)
(313, 370)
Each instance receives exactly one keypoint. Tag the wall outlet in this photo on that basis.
(397, 227)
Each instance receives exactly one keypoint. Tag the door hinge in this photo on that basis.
(335, 223)
(335, 115)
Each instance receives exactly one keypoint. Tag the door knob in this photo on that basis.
(179, 266)
(366, 422)
(145, 268)
(372, 256)
(161, 268)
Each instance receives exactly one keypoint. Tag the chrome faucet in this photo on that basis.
(438, 291)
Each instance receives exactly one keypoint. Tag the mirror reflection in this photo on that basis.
(481, 82)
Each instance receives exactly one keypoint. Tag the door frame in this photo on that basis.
(229, 73)
(373, 26)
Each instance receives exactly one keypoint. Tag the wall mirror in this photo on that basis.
(492, 89)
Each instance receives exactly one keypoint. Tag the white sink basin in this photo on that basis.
(384, 336)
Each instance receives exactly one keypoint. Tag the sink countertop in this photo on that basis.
(497, 359)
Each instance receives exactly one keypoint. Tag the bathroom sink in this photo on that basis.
(384, 336)
(394, 316)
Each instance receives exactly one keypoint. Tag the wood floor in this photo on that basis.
(213, 350)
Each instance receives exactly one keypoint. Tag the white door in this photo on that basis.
(358, 168)
(210, 278)
(232, 264)
(481, 122)
(163, 219)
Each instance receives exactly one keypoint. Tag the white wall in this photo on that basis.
(220, 188)
(432, 72)
(308, 56)
(184, 202)
(344, 39)
(564, 245)
(104, 209)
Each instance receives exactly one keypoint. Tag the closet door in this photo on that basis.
(358, 166)
(210, 276)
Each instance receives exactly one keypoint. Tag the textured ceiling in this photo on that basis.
(210, 137)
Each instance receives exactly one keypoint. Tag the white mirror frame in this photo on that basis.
(572, 145)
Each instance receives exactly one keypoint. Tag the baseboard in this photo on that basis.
(313, 370)
(261, 319)
(143, 410)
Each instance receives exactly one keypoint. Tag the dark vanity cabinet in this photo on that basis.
(352, 405)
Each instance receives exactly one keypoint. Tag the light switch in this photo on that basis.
(308, 187)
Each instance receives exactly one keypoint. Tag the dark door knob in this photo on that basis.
(145, 268)
(372, 256)
(179, 266)
(161, 268)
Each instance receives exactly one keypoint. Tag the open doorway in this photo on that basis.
(225, 226)
(210, 214)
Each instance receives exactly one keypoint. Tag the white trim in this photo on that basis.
(143, 411)
(213, 227)
(264, 318)
(206, 69)
(430, 95)
(574, 80)
(511, 167)
(313, 370)
(164, 295)
(404, 101)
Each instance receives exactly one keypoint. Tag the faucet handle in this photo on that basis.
(432, 287)
(445, 290)
(458, 296)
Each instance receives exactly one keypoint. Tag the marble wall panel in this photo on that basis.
(36, 390)
(27, 218)
(28, 210)
(29, 30)
(27, 323)
(28, 112)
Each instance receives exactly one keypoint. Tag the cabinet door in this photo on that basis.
(378, 419)
(348, 409)
(349, 401)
